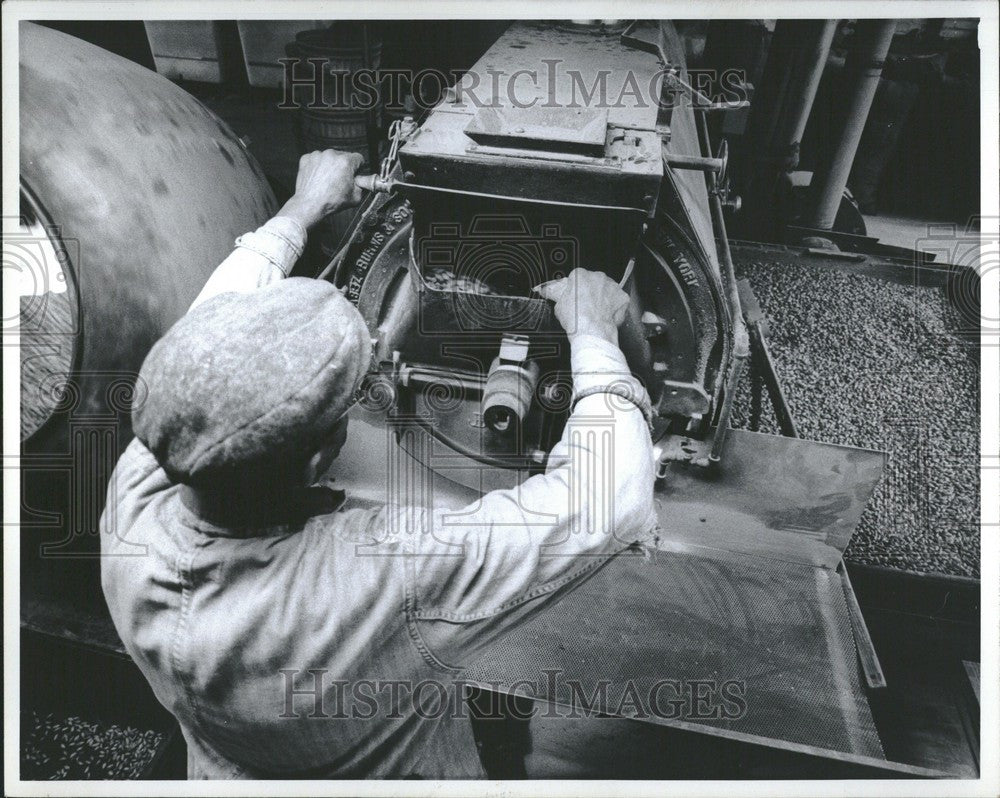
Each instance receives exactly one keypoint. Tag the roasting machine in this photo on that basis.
(495, 194)
(503, 186)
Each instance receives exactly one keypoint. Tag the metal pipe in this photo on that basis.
(781, 107)
(795, 62)
(801, 100)
(693, 162)
(864, 67)
(429, 377)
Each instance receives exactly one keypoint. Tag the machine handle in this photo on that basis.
(373, 183)
(399, 130)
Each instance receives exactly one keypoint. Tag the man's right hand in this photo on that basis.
(324, 185)
(587, 303)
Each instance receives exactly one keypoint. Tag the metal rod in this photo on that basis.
(721, 429)
(870, 665)
(429, 376)
(699, 102)
(741, 343)
(782, 412)
(693, 162)
(741, 340)
(864, 67)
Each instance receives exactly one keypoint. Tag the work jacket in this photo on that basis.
(333, 645)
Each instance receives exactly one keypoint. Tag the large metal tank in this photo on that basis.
(139, 192)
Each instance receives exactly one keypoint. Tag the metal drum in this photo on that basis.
(140, 190)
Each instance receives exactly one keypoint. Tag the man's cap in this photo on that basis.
(248, 383)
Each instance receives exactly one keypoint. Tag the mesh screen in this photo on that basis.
(731, 646)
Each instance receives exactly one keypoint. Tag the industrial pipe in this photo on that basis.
(800, 49)
(781, 107)
(863, 67)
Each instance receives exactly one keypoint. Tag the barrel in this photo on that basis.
(338, 124)
(342, 50)
(345, 130)
(343, 45)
